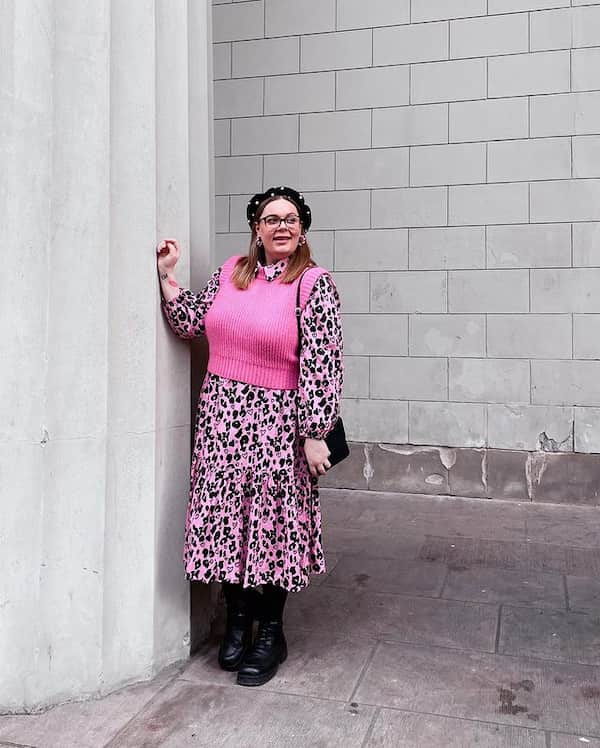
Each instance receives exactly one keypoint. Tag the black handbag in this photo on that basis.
(337, 444)
(336, 438)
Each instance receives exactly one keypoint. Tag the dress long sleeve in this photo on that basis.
(185, 313)
(321, 361)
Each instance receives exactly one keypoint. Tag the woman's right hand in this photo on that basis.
(167, 255)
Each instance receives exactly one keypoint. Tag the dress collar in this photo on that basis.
(271, 272)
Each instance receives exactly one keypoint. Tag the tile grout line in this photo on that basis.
(232, 685)
(572, 244)
(444, 581)
(487, 653)
(566, 590)
(498, 625)
(371, 727)
(571, 71)
(369, 660)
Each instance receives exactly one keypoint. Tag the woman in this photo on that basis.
(265, 407)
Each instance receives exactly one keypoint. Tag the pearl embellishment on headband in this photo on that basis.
(288, 193)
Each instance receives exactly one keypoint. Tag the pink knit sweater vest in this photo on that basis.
(252, 333)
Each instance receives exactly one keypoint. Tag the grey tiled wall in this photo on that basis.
(450, 150)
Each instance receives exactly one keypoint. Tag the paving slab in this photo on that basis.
(85, 724)
(323, 665)
(551, 635)
(191, 714)
(584, 594)
(584, 562)
(484, 585)
(401, 618)
(370, 542)
(395, 575)
(563, 525)
(573, 741)
(492, 688)
(410, 514)
(407, 730)
(462, 553)
(452, 515)
(360, 509)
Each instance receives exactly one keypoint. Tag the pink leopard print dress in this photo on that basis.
(254, 515)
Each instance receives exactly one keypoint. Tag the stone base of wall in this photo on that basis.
(551, 477)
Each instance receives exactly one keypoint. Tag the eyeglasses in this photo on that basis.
(274, 222)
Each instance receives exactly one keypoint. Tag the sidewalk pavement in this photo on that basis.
(442, 622)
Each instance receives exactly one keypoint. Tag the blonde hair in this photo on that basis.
(244, 272)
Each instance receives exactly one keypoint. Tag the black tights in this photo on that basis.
(272, 600)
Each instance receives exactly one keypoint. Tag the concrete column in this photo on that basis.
(201, 230)
(26, 58)
(94, 399)
(131, 418)
(71, 576)
(172, 443)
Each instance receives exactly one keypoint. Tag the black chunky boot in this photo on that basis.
(269, 649)
(238, 630)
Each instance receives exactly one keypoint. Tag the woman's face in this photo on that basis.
(279, 240)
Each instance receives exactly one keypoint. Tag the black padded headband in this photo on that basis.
(289, 194)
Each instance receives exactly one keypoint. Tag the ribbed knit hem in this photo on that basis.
(243, 371)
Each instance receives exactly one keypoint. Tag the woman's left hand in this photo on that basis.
(317, 453)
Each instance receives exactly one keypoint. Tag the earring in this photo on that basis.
(302, 240)
(259, 241)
